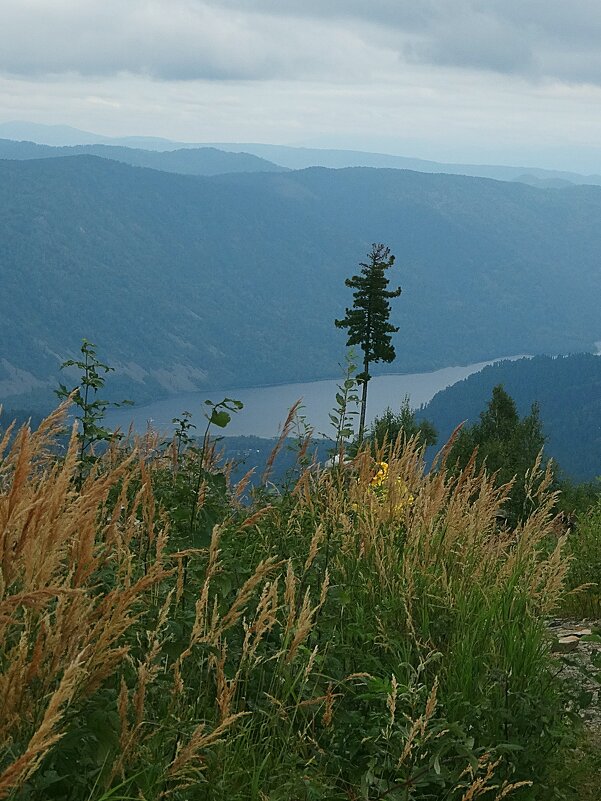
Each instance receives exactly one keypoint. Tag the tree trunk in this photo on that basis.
(363, 403)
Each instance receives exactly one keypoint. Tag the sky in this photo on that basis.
(479, 81)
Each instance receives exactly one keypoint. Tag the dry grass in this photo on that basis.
(73, 587)
(92, 595)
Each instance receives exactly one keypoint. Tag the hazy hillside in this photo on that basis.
(296, 158)
(301, 157)
(188, 282)
(188, 161)
(568, 390)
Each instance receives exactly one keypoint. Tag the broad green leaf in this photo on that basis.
(220, 419)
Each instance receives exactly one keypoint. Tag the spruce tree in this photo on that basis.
(368, 321)
(507, 444)
(389, 426)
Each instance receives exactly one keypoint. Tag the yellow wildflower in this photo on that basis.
(381, 475)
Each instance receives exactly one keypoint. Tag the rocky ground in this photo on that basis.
(576, 645)
(577, 648)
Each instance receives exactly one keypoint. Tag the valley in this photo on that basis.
(240, 556)
(161, 270)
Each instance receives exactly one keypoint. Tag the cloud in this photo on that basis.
(555, 18)
(536, 38)
(165, 40)
(90, 38)
(477, 41)
(325, 40)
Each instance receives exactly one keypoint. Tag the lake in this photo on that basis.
(265, 408)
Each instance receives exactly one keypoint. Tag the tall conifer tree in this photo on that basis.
(368, 321)
(507, 445)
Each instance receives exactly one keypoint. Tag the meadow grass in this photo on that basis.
(362, 635)
(584, 578)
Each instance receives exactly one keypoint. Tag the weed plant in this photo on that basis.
(328, 642)
(584, 577)
(90, 408)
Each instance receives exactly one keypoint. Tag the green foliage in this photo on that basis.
(91, 408)
(219, 415)
(577, 499)
(575, 773)
(584, 577)
(371, 654)
(194, 488)
(387, 428)
(567, 390)
(507, 445)
(341, 417)
(368, 321)
(183, 431)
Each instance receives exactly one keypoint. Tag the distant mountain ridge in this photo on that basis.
(299, 157)
(188, 282)
(187, 161)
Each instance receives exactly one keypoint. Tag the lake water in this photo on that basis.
(265, 408)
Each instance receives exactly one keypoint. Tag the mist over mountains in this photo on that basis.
(284, 156)
(189, 282)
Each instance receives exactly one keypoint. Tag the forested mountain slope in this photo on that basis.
(567, 389)
(187, 282)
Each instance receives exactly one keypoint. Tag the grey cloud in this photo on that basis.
(549, 20)
(537, 38)
(409, 14)
(480, 42)
(299, 39)
(583, 18)
(163, 39)
(576, 68)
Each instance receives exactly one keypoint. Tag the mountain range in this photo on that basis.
(289, 157)
(188, 161)
(192, 282)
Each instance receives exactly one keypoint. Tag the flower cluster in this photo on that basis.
(381, 476)
(380, 484)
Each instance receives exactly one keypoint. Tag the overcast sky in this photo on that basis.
(495, 81)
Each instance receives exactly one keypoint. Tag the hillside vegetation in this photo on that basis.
(567, 390)
(193, 282)
(372, 633)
